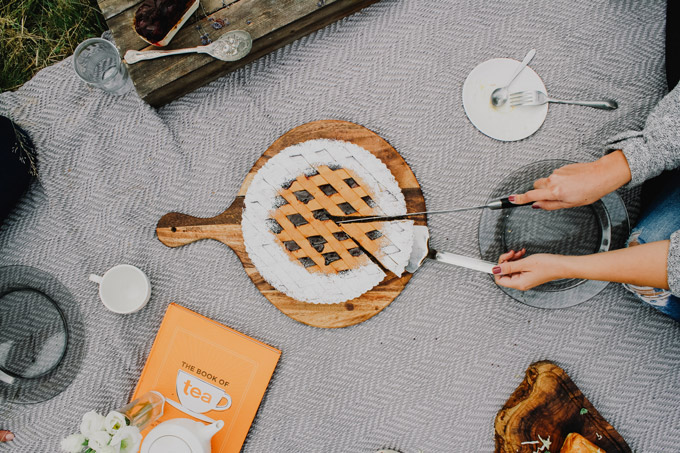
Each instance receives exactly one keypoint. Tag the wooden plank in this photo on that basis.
(175, 229)
(271, 23)
(110, 8)
(258, 17)
(122, 24)
(244, 15)
(213, 69)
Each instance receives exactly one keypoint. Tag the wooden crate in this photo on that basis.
(271, 23)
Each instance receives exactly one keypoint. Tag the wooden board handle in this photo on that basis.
(175, 229)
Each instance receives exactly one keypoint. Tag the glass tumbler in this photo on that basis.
(98, 63)
(144, 410)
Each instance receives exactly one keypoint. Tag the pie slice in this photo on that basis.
(576, 443)
(304, 226)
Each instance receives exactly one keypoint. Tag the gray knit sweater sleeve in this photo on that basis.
(657, 147)
(651, 151)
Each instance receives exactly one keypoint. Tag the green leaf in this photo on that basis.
(584, 411)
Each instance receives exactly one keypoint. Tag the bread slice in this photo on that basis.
(576, 443)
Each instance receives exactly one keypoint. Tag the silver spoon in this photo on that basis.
(231, 46)
(500, 95)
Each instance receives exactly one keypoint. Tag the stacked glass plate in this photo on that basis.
(598, 227)
(41, 336)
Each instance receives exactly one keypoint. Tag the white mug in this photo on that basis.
(199, 396)
(123, 289)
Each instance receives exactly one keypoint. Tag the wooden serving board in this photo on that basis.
(175, 229)
(548, 403)
(271, 23)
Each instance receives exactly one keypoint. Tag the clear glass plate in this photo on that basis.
(41, 336)
(33, 334)
(595, 228)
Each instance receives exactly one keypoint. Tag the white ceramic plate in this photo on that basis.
(502, 123)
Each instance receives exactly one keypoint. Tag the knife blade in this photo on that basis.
(501, 203)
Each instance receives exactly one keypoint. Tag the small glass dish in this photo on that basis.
(33, 334)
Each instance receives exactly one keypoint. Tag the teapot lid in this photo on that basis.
(169, 443)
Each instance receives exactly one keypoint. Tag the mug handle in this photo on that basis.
(226, 406)
(6, 378)
(96, 278)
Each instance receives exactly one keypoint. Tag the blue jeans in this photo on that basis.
(658, 221)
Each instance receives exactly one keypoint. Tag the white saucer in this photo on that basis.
(502, 123)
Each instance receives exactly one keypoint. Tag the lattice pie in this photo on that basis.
(289, 232)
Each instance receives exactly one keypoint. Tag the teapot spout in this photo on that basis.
(208, 431)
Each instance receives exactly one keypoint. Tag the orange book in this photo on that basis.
(211, 370)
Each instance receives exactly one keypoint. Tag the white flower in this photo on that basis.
(92, 423)
(98, 440)
(128, 438)
(73, 443)
(109, 449)
(114, 421)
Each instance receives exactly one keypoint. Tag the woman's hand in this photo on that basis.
(578, 184)
(515, 271)
(6, 436)
(642, 265)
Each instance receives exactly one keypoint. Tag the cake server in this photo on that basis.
(502, 203)
(422, 250)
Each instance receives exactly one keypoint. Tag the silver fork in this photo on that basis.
(525, 98)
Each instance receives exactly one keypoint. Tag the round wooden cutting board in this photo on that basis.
(175, 229)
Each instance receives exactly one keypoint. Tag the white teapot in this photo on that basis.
(181, 435)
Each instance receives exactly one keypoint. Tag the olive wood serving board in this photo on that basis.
(548, 403)
(175, 229)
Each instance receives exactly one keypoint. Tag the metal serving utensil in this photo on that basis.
(231, 46)
(502, 203)
(422, 250)
(500, 95)
(526, 98)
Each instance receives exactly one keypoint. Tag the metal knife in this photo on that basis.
(502, 203)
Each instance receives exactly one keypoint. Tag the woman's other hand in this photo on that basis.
(515, 271)
(578, 184)
(6, 436)
(642, 265)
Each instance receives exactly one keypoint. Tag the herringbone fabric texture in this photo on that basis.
(430, 371)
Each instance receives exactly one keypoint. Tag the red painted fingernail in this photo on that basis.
(535, 206)
(511, 198)
(496, 270)
(9, 437)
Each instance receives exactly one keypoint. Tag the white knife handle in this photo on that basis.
(6, 378)
(465, 261)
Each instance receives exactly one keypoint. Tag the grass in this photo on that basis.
(38, 33)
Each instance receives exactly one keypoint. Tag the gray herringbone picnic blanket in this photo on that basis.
(430, 371)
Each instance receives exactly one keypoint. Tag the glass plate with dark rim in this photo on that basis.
(41, 336)
(583, 230)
